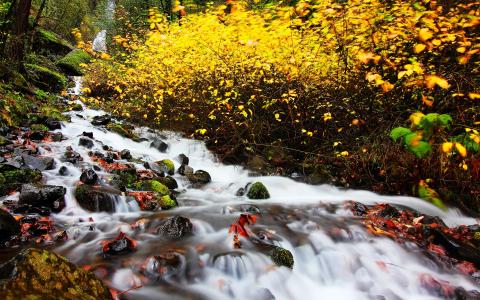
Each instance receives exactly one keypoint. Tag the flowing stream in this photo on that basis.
(335, 258)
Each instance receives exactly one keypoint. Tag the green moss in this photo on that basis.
(45, 78)
(282, 257)
(71, 62)
(12, 180)
(3, 141)
(40, 274)
(48, 42)
(126, 178)
(169, 167)
(122, 130)
(158, 187)
(76, 107)
(258, 191)
(38, 127)
(166, 202)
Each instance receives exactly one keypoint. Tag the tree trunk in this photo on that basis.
(18, 34)
(39, 14)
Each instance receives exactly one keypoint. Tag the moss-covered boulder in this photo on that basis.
(123, 130)
(11, 178)
(281, 257)
(169, 181)
(38, 127)
(14, 78)
(39, 274)
(166, 202)
(45, 78)
(167, 166)
(71, 62)
(155, 186)
(47, 42)
(258, 191)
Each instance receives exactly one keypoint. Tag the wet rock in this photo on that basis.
(63, 171)
(155, 186)
(94, 199)
(40, 163)
(159, 145)
(101, 120)
(89, 177)
(56, 136)
(12, 178)
(359, 209)
(185, 170)
(281, 257)
(166, 166)
(53, 124)
(85, 142)
(169, 181)
(164, 266)
(72, 156)
(166, 202)
(123, 130)
(39, 274)
(4, 130)
(258, 191)
(120, 245)
(199, 177)
(37, 135)
(9, 227)
(88, 134)
(184, 160)
(43, 195)
(4, 141)
(175, 228)
(456, 248)
(2, 159)
(29, 209)
(389, 211)
(124, 178)
(76, 107)
(125, 154)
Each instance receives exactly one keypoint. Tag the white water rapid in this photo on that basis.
(349, 265)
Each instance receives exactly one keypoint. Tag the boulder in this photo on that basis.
(4, 141)
(165, 265)
(71, 62)
(185, 170)
(159, 145)
(281, 257)
(258, 191)
(95, 199)
(72, 156)
(40, 274)
(40, 163)
(85, 142)
(184, 160)
(166, 202)
(89, 177)
(166, 166)
(174, 228)
(123, 130)
(155, 186)
(12, 178)
(45, 78)
(125, 154)
(53, 124)
(199, 177)
(169, 181)
(101, 120)
(63, 171)
(51, 196)
(9, 227)
(88, 134)
(47, 42)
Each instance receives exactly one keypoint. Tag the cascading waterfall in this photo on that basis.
(206, 265)
(100, 42)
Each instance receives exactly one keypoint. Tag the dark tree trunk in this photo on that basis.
(16, 41)
(39, 14)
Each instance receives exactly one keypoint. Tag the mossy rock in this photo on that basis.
(40, 274)
(155, 186)
(45, 78)
(282, 257)
(167, 166)
(4, 141)
(122, 130)
(11, 179)
(14, 78)
(166, 202)
(76, 107)
(258, 191)
(71, 62)
(39, 127)
(94, 199)
(125, 178)
(48, 42)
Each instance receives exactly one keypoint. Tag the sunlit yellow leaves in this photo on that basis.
(433, 80)
(327, 117)
(461, 149)
(473, 96)
(415, 118)
(447, 147)
(277, 117)
(308, 133)
(418, 48)
(366, 57)
(424, 34)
